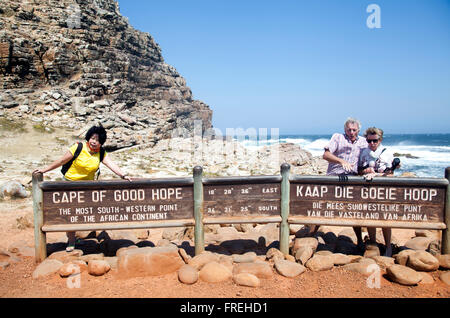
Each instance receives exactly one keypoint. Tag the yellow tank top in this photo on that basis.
(85, 166)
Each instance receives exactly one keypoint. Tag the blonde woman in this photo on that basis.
(376, 160)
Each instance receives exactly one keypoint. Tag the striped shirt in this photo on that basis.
(343, 148)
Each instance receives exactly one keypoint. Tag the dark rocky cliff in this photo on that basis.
(71, 63)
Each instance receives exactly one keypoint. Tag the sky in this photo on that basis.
(304, 67)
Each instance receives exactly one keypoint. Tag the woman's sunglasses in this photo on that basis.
(372, 140)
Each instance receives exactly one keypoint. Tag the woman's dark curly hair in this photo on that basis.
(100, 131)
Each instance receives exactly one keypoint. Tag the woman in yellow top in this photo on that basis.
(85, 165)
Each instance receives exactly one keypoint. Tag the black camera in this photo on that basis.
(395, 164)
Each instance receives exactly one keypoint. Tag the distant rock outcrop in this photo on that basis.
(72, 63)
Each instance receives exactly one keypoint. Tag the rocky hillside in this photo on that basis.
(71, 63)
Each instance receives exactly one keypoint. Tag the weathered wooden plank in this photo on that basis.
(116, 226)
(357, 180)
(241, 220)
(367, 223)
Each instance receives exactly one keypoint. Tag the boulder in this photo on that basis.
(320, 263)
(371, 251)
(149, 261)
(47, 267)
(244, 227)
(294, 228)
(274, 254)
(259, 269)
(289, 257)
(305, 241)
(423, 261)
(384, 261)
(367, 261)
(123, 249)
(340, 259)
(173, 233)
(270, 232)
(227, 261)
(402, 257)
(324, 252)
(303, 254)
(198, 261)
(112, 261)
(98, 267)
(246, 279)
(187, 275)
(71, 268)
(184, 255)
(435, 247)
(245, 258)
(419, 243)
(355, 258)
(66, 257)
(288, 268)
(426, 278)
(13, 189)
(362, 268)
(163, 242)
(142, 234)
(293, 154)
(214, 272)
(403, 275)
(90, 257)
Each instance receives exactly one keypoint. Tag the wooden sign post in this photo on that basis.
(415, 203)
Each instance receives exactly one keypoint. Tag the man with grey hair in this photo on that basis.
(342, 154)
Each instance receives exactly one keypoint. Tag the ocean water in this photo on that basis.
(426, 155)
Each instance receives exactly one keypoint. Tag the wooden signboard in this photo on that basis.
(143, 203)
(126, 204)
(387, 203)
